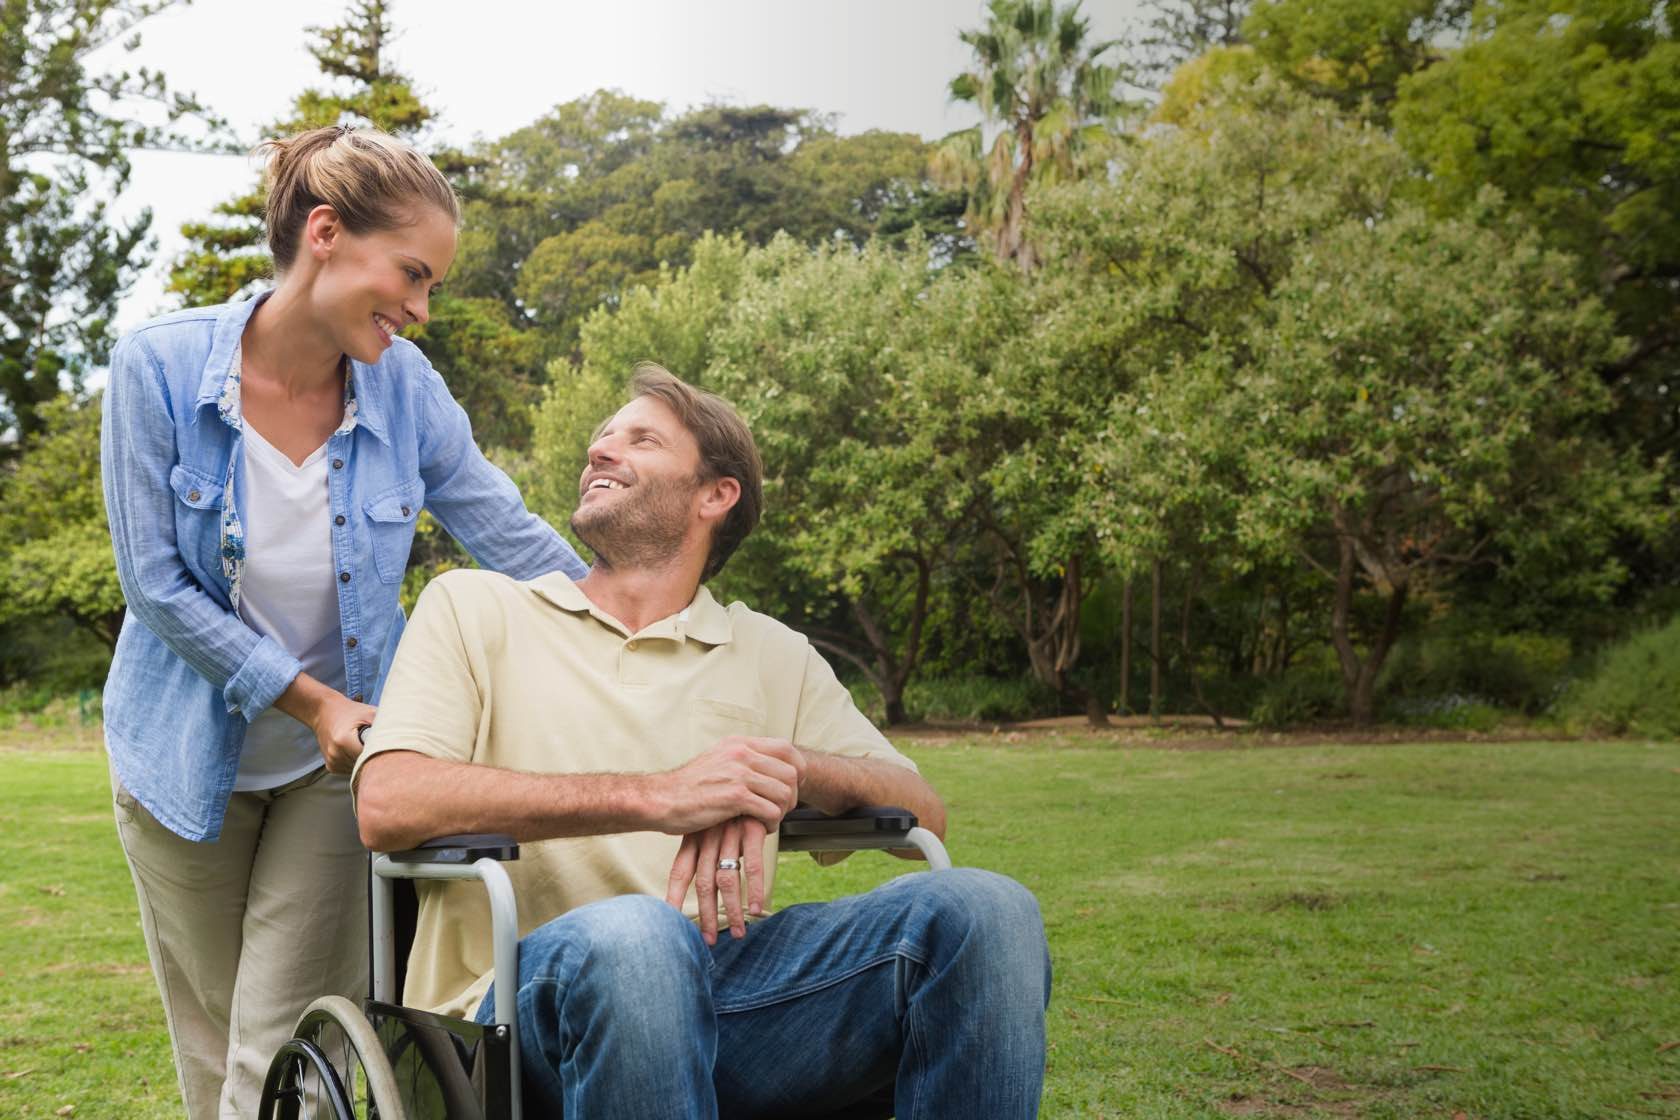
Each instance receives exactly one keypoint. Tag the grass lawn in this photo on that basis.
(1485, 930)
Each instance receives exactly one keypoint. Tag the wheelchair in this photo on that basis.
(383, 1061)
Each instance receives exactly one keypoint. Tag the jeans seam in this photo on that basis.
(917, 1052)
(903, 950)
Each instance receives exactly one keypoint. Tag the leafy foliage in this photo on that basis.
(64, 140)
(55, 552)
(1570, 110)
(1635, 689)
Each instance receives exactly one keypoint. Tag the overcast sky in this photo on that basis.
(490, 66)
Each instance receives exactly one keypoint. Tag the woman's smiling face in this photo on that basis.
(372, 285)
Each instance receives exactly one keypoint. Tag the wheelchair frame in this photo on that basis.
(480, 858)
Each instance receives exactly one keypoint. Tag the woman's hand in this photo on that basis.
(338, 725)
(335, 719)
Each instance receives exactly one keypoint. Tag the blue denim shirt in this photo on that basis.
(189, 675)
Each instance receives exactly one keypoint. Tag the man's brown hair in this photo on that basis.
(726, 451)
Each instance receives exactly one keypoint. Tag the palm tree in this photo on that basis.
(1050, 97)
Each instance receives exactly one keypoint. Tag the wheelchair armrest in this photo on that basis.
(865, 822)
(463, 849)
(864, 828)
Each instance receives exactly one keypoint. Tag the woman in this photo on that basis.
(264, 462)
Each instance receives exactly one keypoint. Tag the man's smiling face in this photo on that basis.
(639, 492)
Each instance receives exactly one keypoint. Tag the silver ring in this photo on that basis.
(729, 865)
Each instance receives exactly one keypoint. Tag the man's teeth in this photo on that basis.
(606, 484)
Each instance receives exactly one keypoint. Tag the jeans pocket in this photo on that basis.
(123, 802)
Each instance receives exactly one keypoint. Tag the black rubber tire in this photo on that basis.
(333, 1066)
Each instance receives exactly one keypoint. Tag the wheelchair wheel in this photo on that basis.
(333, 1068)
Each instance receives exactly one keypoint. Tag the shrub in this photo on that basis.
(964, 699)
(1306, 691)
(1634, 690)
(1453, 712)
(1522, 672)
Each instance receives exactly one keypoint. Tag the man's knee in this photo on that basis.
(632, 942)
(992, 921)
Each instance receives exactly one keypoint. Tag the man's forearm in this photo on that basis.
(404, 798)
(835, 783)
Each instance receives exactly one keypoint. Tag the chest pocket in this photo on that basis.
(391, 526)
(198, 521)
(711, 720)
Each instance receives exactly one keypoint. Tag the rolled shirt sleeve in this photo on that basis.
(137, 441)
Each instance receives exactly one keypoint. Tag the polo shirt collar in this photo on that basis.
(704, 619)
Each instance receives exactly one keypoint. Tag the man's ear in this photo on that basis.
(718, 497)
(321, 231)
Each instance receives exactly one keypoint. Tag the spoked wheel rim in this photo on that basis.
(333, 1068)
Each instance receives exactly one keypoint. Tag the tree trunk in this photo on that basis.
(897, 716)
(1191, 580)
(1359, 675)
(1126, 647)
(1155, 641)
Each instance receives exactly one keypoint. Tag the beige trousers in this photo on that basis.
(246, 931)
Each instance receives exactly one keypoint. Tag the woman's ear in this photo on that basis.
(321, 231)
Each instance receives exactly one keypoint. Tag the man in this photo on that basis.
(600, 720)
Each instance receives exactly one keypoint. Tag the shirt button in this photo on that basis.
(338, 464)
(339, 520)
(344, 577)
(405, 511)
(631, 645)
(351, 642)
(357, 698)
(192, 495)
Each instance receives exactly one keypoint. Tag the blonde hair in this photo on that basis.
(370, 177)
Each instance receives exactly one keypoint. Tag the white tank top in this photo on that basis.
(288, 592)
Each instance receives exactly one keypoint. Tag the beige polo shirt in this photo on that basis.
(532, 676)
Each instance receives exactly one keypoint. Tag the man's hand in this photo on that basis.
(741, 839)
(739, 777)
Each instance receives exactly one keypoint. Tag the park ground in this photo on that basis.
(1247, 925)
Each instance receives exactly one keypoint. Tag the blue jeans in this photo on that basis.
(924, 998)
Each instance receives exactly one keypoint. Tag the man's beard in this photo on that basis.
(645, 531)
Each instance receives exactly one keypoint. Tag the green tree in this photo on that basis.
(1571, 110)
(64, 138)
(819, 353)
(623, 192)
(669, 322)
(55, 551)
(1050, 97)
(1354, 51)
(1334, 378)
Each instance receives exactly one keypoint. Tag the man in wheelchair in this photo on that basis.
(643, 742)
